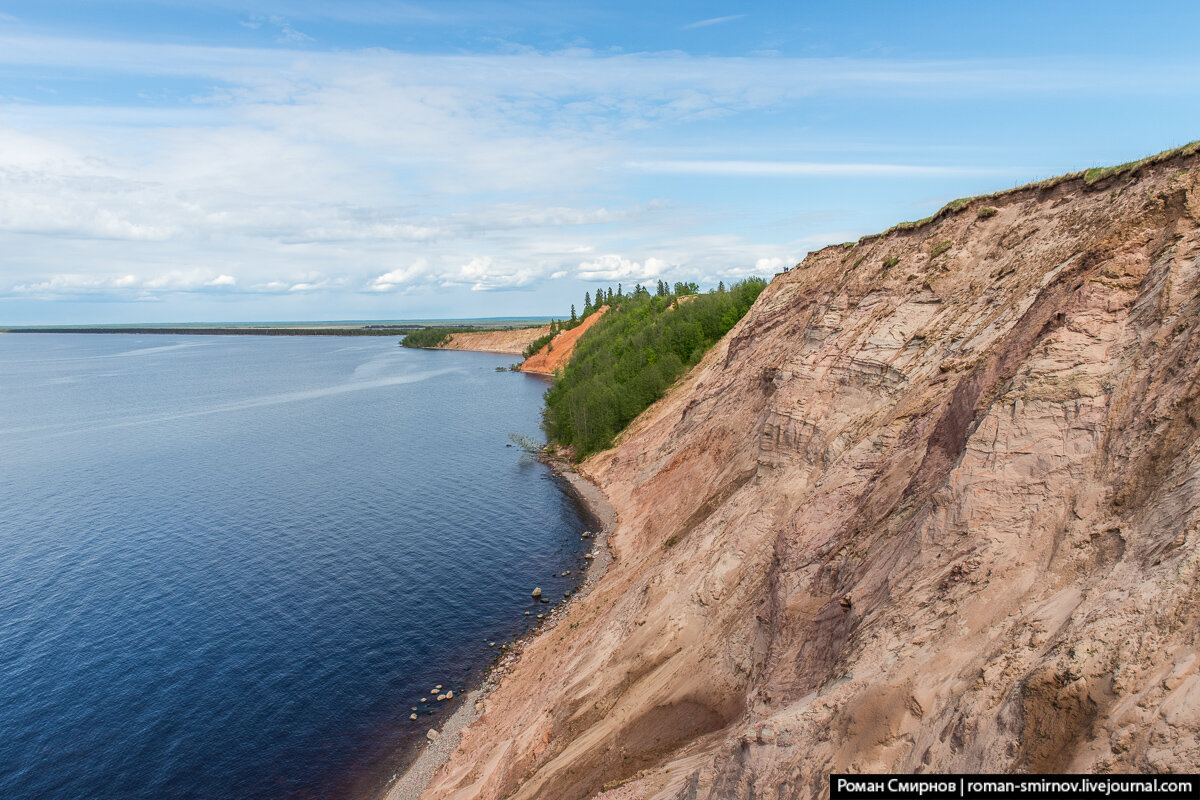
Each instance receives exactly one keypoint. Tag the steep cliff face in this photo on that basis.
(927, 507)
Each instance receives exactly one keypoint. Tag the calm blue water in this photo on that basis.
(229, 565)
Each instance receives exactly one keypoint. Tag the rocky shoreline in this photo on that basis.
(441, 743)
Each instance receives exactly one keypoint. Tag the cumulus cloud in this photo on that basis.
(398, 278)
(123, 286)
(375, 172)
(612, 267)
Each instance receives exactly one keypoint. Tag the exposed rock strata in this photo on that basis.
(937, 516)
(511, 342)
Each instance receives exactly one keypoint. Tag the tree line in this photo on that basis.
(629, 359)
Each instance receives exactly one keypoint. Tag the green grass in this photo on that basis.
(1088, 178)
(940, 248)
(986, 212)
(890, 262)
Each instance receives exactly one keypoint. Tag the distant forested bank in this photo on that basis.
(633, 354)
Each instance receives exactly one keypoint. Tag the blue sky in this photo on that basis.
(170, 161)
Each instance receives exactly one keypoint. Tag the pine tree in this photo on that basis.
(574, 318)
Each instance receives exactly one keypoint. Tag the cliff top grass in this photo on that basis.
(1089, 177)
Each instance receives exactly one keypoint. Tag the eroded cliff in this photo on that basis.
(512, 342)
(932, 505)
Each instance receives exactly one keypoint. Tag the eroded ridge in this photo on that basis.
(926, 507)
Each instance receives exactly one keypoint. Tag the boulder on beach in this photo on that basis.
(432, 735)
(537, 592)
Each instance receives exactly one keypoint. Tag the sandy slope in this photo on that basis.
(554, 356)
(938, 515)
(513, 342)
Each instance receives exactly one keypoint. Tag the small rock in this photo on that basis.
(412, 716)
(432, 735)
(541, 616)
(527, 613)
(491, 644)
(845, 602)
(414, 708)
(766, 735)
(566, 594)
(424, 700)
(441, 697)
(449, 695)
(589, 556)
(587, 534)
(537, 593)
(565, 574)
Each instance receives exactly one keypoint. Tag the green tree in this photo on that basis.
(632, 356)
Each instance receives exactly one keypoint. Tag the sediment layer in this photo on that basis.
(933, 505)
(511, 342)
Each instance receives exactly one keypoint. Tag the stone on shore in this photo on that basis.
(537, 593)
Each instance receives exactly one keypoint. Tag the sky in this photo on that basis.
(175, 161)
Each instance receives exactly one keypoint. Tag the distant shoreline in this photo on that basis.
(381, 331)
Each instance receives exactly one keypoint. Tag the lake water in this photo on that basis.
(230, 565)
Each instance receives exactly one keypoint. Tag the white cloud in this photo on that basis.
(795, 169)
(612, 267)
(287, 34)
(122, 286)
(377, 172)
(398, 278)
(704, 23)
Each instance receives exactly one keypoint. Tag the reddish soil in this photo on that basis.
(554, 356)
